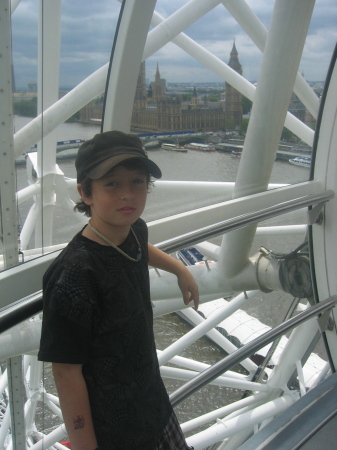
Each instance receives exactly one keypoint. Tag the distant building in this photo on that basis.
(21, 96)
(233, 98)
(297, 108)
(156, 111)
(32, 86)
(92, 112)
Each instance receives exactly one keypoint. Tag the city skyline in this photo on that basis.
(88, 29)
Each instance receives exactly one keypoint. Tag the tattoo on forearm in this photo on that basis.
(78, 422)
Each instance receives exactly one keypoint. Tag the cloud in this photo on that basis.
(217, 30)
(88, 30)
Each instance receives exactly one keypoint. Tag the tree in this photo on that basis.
(74, 118)
(186, 97)
(26, 108)
(243, 127)
(229, 124)
(213, 98)
(287, 135)
(246, 105)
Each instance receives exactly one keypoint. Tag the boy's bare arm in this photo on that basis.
(75, 405)
(186, 281)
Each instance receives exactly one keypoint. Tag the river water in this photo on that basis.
(190, 166)
(193, 166)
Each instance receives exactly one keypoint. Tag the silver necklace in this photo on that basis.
(139, 252)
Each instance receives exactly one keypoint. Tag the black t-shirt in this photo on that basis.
(97, 312)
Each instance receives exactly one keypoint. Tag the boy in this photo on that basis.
(97, 322)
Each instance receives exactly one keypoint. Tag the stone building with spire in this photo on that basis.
(233, 98)
(156, 111)
(166, 113)
(141, 95)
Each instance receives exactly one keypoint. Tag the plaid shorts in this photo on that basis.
(172, 437)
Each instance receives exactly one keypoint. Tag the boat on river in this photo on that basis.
(151, 145)
(64, 145)
(64, 150)
(173, 147)
(256, 390)
(228, 147)
(301, 161)
(200, 147)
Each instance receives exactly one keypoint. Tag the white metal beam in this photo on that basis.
(60, 111)
(169, 227)
(285, 42)
(202, 328)
(14, 4)
(227, 428)
(258, 33)
(324, 235)
(16, 402)
(8, 217)
(166, 30)
(127, 55)
(49, 41)
(27, 278)
(202, 187)
(225, 72)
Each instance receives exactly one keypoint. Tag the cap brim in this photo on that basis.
(101, 169)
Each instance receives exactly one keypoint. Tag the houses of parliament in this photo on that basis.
(156, 111)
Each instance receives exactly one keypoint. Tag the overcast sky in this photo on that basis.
(88, 29)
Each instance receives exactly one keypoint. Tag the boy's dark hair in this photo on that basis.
(132, 164)
(81, 206)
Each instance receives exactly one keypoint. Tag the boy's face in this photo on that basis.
(118, 199)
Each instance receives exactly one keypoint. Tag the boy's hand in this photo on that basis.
(188, 287)
(186, 281)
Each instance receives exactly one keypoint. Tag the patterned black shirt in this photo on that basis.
(97, 312)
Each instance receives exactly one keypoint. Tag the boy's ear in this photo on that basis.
(84, 197)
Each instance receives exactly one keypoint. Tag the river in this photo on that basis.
(190, 166)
